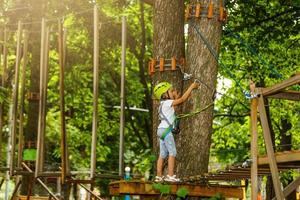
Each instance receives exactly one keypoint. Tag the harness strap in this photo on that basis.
(166, 132)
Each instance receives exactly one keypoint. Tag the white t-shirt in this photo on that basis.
(168, 110)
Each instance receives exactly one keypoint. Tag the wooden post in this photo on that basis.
(291, 187)
(122, 98)
(95, 92)
(64, 63)
(15, 100)
(254, 149)
(22, 97)
(63, 144)
(269, 147)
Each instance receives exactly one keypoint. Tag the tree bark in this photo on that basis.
(168, 42)
(196, 134)
(30, 133)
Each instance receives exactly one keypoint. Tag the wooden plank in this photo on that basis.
(288, 95)
(3, 69)
(254, 149)
(280, 86)
(292, 156)
(21, 197)
(146, 188)
(269, 147)
(291, 187)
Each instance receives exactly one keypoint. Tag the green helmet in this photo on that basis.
(160, 89)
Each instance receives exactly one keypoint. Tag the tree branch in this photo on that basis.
(149, 2)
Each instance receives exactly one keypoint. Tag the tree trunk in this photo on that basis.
(30, 133)
(168, 42)
(196, 135)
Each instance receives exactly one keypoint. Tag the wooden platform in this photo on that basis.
(146, 188)
(285, 160)
(288, 158)
(21, 197)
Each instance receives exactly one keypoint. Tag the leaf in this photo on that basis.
(182, 192)
(163, 189)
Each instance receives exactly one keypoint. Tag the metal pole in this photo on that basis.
(15, 100)
(2, 79)
(22, 97)
(8, 153)
(3, 85)
(38, 164)
(122, 97)
(95, 93)
(44, 104)
(62, 103)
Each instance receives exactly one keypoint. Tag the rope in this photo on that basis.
(184, 115)
(216, 57)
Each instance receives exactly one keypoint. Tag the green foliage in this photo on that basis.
(260, 43)
(182, 193)
(163, 189)
(217, 196)
(142, 162)
(3, 94)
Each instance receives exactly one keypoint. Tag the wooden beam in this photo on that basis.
(291, 187)
(280, 86)
(269, 147)
(287, 94)
(291, 156)
(254, 149)
(146, 188)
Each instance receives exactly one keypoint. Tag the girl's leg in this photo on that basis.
(159, 166)
(171, 164)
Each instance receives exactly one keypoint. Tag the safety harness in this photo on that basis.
(162, 116)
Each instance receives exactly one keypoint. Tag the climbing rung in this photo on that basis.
(198, 10)
(173, 63)
(161, 64)
(210, 10)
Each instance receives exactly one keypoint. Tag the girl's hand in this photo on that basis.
(195, 85)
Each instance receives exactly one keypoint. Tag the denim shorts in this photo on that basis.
(166, 146)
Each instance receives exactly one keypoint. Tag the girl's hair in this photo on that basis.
(165, 96)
